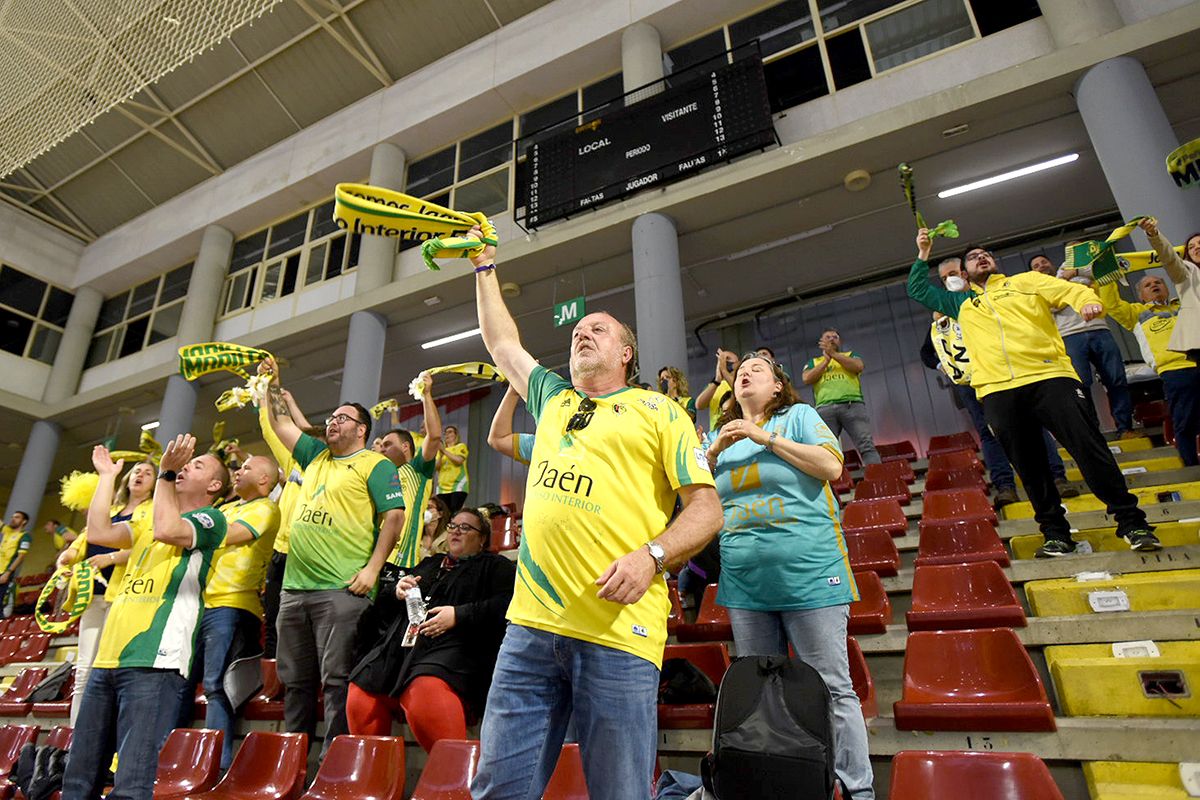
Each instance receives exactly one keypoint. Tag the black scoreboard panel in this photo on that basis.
(713, 117)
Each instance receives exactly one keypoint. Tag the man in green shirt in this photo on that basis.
(837, 390)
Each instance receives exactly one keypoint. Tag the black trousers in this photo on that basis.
(270, 601)
(1061, 406)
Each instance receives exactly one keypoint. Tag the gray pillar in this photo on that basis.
(658, 295)
(1075, 21)
(33, 476)
(196, 323)
(73, 349)
(364, 358)
(641, 59)
(1132, 145)
(377, 254)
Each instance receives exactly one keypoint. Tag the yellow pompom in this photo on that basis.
(77, 490)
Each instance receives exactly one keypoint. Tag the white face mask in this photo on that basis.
(956, 284)
(428, 516)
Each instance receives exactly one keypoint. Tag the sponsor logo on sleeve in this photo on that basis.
(205, 520)
(701, 459)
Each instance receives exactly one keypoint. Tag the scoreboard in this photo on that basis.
(712, 117)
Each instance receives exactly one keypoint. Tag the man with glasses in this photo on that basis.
(343, 527)
(1025, 380)
(588, 616)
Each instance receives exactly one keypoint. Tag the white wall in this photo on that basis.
(38, 249)
(1137, 10)
(24, 376)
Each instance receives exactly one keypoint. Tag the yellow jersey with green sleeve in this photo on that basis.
(1152, 324)
(335, 523)
(60, 536)
(594, 495)
(154, 620)
(416, 485)
(13, 542)
(836, 384)
(292, 476)
(239, 571)
(714, 404)
(140, 524)
(453, 477)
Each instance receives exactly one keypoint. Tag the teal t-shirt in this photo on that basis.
(782, 547)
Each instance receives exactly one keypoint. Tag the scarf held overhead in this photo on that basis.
(201, 359)
(1183, 165)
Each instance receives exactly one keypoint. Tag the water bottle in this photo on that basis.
(416, 615)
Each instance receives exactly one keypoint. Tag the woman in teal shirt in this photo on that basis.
(785, 573)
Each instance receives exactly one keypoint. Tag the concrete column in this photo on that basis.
(1075, 21)
(73, 349)
(196, 323)
(1132, 145)
(34, 473)
(364, 358)
(377, 255)
(641, 59)
(658, 295)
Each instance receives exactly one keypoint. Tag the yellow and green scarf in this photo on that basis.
(473, 369)
(1101, 256)
(202, 359)
(1183, 165)
(78, 581)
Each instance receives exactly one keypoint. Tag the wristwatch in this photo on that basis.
(771, 440)
(658, 554)
(167, 475)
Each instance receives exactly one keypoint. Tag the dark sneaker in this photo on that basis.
(1053, 548)
(1142, 540)
(1066, 489)
(1005, 497)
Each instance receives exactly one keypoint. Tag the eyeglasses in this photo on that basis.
(462, 526)
(775, 368)
(975, 255)
(582, 416)
(342, 419)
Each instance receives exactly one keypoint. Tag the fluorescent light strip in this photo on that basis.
(149, 426)
(1008, 176)
(449, 339)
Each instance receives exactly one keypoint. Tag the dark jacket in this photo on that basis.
(480, 589)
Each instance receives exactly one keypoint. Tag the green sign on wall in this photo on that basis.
(568, 312)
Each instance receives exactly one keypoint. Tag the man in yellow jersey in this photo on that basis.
(589, 614)
(61, 535)
(343, 528)
(837, 390)
(15, 542)
(453, 481)
(145, 654)
(232, 623)
(1021, 373)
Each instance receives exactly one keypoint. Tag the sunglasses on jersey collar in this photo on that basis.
(582, 416)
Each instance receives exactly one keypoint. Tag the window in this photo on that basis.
(485, 150)
(796, 78)
(777, 28)
(145, 315)
(431, 174)
(32, 315)
(551, 113)
(836, 13)
(918, 31)
(992, 17)
(848, 59)
(693, 52)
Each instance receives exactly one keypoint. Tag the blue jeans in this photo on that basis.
(220, 629)
(541, 681)
(1099, 348)
(1181, 388)
(999, 467)
(130, 711)
(818, 635)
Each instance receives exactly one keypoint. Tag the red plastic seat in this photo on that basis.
(963, 440)
(851, 459)
(268, 766)
(872, 612)
(60, 736)
(711, 658)
(956, 459)
(843, 484)
(504, 535)
(958, 542)
(61, 705)
(12, 739)
(268, 703)
(958, 504)
(37, 579)
(15, 700)
(448, 771)
(360, 768)
(870, 515)
(949, 479)
(883, 489)
(896, 451)
(8, 648)
(890, 469)
(920, 775)
(675, 615)
(864, 686)
(189, 762)
(712, 621)
(874, 551)
(567, 781)
(23, 624)
(1151, 412)
(976, 680)
(32, 647)
(953, 596)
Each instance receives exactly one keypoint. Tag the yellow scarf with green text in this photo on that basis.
(1183, 165)
(201, 359)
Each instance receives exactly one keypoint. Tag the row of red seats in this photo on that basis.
(14, 702)
(37, 579)
(24, 648)
(15, 737)
(26, 624)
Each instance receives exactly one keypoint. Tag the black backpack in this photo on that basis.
(773, 735)
(39, 771)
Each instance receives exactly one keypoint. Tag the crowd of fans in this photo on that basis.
(349, 555)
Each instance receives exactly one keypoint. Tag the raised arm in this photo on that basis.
(294, 409)
(433, 421)
(1125, 313)
(811, 376)
(1058, 293)
(852, 364)
(1172, 263)
(284, 426)
(169, 525)
(99, 520)
(500, 434)
(935, 298)
(500, 335)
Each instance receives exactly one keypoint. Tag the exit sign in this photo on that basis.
(569, 312)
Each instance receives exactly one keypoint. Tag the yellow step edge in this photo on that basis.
(1137, 467)
(1090, 682)
(1145, 591)
(1118, 446)
(1146, 495)
(1171, 534)
(1133, 780)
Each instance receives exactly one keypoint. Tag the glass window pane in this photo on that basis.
(14, 331)
(836, 13)
(238, 285)
(485, 150)
(135, 336)
(848, 59)
(248, 251)
(112, 311)
(58, 306)
(288, 235)
(603, 96)
(45, 344)
(20, 291)
(98, 352)
(351, 257)
(694, 52)
(918, 31)
(992, 17)
(337, 254)
(272, 273)
(323, 224)
(290, 273)
(431, 173)
(166, 323)
(316, 263)
(175, 284)
(796, 78)
(554, 112)
(143, 298)
(488, 194)
(777, 28)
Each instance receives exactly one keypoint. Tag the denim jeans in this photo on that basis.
(128, 711)
(542, 680)
(1099, 348)
(1181, 387)
(999, 467)
(818, 635)
(222, 630)
(855, 420)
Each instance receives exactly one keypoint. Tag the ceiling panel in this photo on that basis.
(407, 36)
(112, 128)
(61, 160)
(512, 10)
(270, 31)
(103, 197)
(198, 75)
(160, 170)
(238, 121)
(316, 77)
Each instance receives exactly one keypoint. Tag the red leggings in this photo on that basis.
(430, 706)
